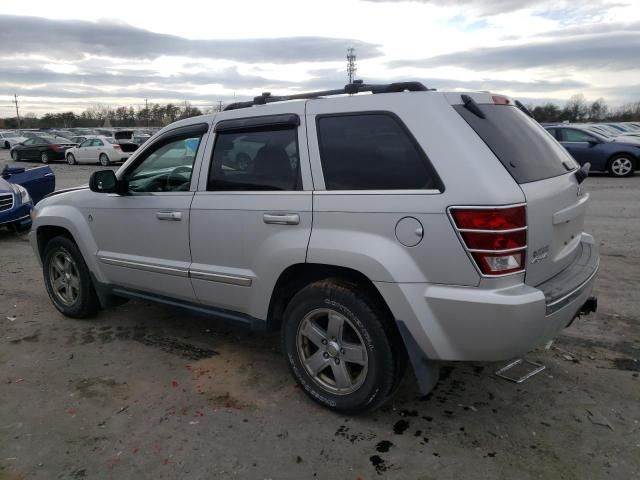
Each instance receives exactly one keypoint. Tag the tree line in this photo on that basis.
(577, 109)
(152, 115)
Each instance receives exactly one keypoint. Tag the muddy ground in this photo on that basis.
(144, 391)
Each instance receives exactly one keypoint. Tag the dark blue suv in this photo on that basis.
(619, 158)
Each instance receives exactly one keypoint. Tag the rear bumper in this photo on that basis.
(475, 324)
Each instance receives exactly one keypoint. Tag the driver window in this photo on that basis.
(86, 143)
(167, 168)
(571, 135)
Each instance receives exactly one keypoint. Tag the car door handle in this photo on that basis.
(281, 218)
(175, 216)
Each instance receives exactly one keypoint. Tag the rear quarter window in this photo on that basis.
(523, 146)
(372, 151)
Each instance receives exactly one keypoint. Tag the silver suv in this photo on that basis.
(403, 225)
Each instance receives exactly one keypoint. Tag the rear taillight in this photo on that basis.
(496, 237)
(116, 146)
(57, 148)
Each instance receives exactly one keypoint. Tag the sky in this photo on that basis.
(71, 55)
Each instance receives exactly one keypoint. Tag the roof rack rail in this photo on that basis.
(356, 87)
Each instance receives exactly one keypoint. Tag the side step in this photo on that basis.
(520, 370)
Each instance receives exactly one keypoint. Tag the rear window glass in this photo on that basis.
(371, 151)
(521, 144)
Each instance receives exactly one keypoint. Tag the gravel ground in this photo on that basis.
(144, 391)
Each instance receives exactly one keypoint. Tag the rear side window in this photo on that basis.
(521, 144)
(371, 151)
(258, 159)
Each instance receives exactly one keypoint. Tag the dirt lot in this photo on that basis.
(144, 391)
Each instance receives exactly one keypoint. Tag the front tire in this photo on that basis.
(44, 157)
(104, 160)
(15, 156)
(68, 280)
(341, 347)
(71, 159)
(621, 166)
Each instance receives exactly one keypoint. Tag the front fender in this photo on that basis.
(73, 220)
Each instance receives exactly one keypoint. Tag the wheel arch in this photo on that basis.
(297, 276)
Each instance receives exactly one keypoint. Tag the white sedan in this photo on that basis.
(97, 149)
(9, 139)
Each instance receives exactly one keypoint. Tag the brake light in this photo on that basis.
(57, 148)
(116, 146)
(500, 100)
(496, 238)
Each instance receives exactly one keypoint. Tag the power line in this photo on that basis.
(351, 64)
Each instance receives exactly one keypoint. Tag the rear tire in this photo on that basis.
(353, 372)
(621, 166)
(15, 156)
(104, 160)
(71, 159)
(68, 280)
(44, 157)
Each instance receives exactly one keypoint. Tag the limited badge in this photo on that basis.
(540, 254)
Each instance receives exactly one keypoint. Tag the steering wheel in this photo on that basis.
(173, 173)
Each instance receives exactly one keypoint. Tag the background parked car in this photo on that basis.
(20, 190)
(98, 149)
(619, 158)
(9, 139)
(44, 148)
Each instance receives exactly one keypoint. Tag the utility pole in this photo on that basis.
(15, 100)
(146, 110)
(351, 64)
(219, 107)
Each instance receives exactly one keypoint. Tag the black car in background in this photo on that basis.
(45, 148)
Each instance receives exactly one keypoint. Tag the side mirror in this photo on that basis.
(594, 142)
(103, 181)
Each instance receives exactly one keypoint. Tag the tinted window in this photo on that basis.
(371, 152)
(571, 135)
(255, 160)
(167, 168)
(86, 143)
(97, 143)
(521, 144)
(30, 141)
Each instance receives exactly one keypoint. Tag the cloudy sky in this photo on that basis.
(68, 55)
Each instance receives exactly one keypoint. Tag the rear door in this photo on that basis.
(555, 203)
(251, 216)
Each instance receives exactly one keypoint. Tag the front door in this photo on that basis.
(143, 235)
(582, 146)
(251, 216)
(83, 151)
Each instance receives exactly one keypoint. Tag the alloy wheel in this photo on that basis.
(64, 278)
(332, 351)
(621, 166)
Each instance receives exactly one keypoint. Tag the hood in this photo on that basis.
(5, 187)
(629, 140)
